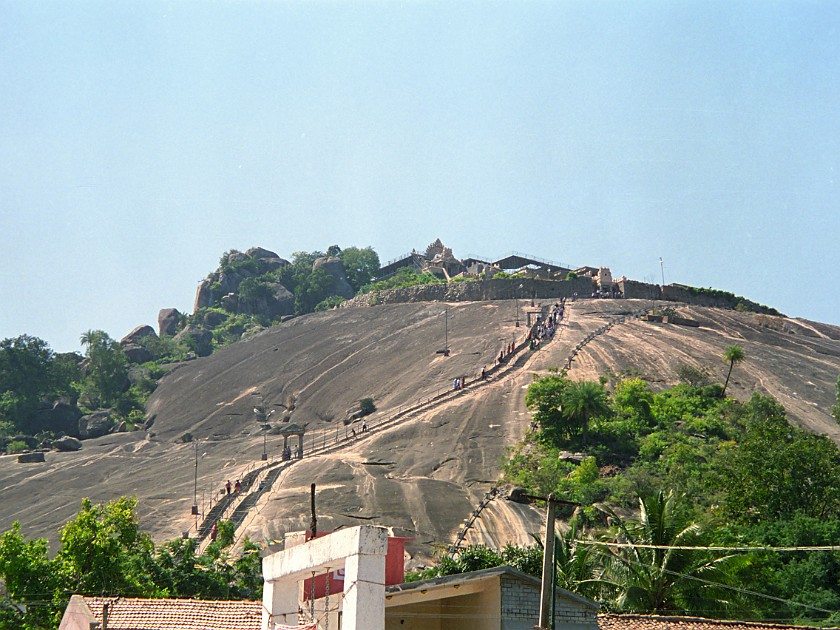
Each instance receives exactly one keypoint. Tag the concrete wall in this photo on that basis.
(521, 606)
(450, 608)
(477, 291)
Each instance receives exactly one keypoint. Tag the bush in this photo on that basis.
(18, 446)
(367, 406)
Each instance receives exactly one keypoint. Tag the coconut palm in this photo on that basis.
(732, 354)
(650, 574)
(583, 401)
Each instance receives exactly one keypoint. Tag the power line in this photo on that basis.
(706, 548)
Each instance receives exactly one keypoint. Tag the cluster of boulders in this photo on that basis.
(224, 284)
(222, 288)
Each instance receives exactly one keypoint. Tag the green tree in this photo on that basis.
(27, 375)
(107, 368)
(545, 397)
(584, 401)
(776, 470)
(103, 551)
(312, 290)
(732, 355)
(633, 400)
(653, 579)
(578, 566)
(836, 411)
(30, 578)
(360, 265)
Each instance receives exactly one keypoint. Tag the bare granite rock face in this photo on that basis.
(425, 473)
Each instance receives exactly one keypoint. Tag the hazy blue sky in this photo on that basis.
(141, 140)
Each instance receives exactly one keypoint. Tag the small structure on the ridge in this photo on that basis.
(288, 431)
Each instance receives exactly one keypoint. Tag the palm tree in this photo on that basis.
(733, 354)
(583, 401)
(651, 574)
(577, 566)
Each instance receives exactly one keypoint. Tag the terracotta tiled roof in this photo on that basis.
(608, 621)
(177, 614)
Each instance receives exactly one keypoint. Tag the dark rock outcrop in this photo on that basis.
(136, 336)
(59, 417)
(200, 340)
(168, 320)
(95, 425)
(334, 268)
(67, 443)
(136, 353)
(214, 318)
(31, 458)
(133, 344)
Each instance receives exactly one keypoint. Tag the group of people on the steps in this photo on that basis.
(545, 328)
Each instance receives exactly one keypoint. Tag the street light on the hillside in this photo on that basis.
(265, 432)
(195, 481)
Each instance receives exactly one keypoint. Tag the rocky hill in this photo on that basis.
(422, 474)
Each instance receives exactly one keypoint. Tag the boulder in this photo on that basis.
(136, 353)
(168, 320)
(203, 295)
(31, 458)
(95, 425)
(266, 260)
(67, 443)
(200, 340)
(136, 336)
(229, 281)
(259, 252)
(334, 268)
(214, 318)
(59, 416)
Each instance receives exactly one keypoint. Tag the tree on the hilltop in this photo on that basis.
(732, 355)
(650, 574)
(312, 290)
(333, 250)
(107, 368)
(360, 265)
(295, 273)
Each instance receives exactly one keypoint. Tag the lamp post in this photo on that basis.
(662, 267)
(195, 483)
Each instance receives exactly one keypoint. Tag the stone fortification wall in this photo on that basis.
(672, 293)
(477, 291)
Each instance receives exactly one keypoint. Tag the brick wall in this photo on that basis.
(521, 608)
